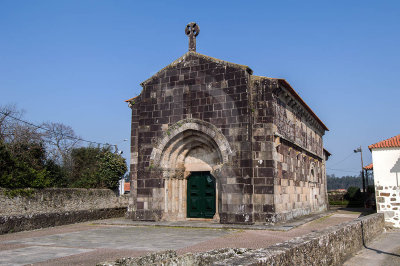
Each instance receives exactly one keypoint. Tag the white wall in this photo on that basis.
(384, 159)
(121, 187)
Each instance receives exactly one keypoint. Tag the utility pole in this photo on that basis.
(362, 171)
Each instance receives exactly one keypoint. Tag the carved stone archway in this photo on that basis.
(190, 145)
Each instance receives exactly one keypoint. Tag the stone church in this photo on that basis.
(212, 141)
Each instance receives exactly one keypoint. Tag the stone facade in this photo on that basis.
(388, 203)
(254, 135)
(386, 167)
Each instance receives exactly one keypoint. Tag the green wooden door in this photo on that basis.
(201, 195)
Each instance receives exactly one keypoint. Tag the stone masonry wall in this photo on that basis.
(52, 207)
(388, 203)
(262, 148)
(194, 87)
(300, 183)
(276, 170)
(51, 200)
(289, 169)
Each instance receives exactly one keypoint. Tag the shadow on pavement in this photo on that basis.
(373, 249)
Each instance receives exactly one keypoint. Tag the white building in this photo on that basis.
(124, 187)
(386, 165)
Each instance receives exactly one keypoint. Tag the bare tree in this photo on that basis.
(60, 139)
(8, 113)
(14, 130)
(22, 139)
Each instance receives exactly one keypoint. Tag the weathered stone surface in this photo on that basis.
(252, 133)
(52, 207)
(52, 200)
(23, 222)
(151, 259)
(331, 246)
(388, 202)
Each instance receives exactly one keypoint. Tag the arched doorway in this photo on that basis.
(201, 194)
(190, 153)
(189, 159)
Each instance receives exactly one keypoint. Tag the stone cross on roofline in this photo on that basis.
(192, 30)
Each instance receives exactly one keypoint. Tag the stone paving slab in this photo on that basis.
(215, 225)
(149, 239)
(92, 242)
(123, 237)
(34, 254)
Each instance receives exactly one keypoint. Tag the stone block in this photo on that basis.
(389, 214)
(380, 199)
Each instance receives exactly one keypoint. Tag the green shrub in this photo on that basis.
(96, 168)
(24, 167)
(355, 197)
(24, 192)
(353, 193)
(339, 203)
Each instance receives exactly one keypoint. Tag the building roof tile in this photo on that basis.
(131, 99)
(388, 143)
(369, 167)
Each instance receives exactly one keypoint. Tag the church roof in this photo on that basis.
(131, 99)
(286, 84)
(393, 142)
(182, 58)
(282, 82)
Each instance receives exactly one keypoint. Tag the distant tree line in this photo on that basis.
(345, 182)
(52, 155)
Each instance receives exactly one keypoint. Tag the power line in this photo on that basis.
(343, 170)
(343, 159)
(48, 130)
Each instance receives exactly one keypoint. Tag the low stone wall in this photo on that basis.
(331, 246)
(16, 223)
(388, 203)
(55, 206)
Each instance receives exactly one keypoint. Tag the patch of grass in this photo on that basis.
(339, 203)
(322, 218)
(23, 192)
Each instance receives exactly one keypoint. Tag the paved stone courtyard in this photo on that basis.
(89, 243)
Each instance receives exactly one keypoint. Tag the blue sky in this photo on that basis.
(75, 62)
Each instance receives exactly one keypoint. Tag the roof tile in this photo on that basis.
(388, 143)
(369, 167)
